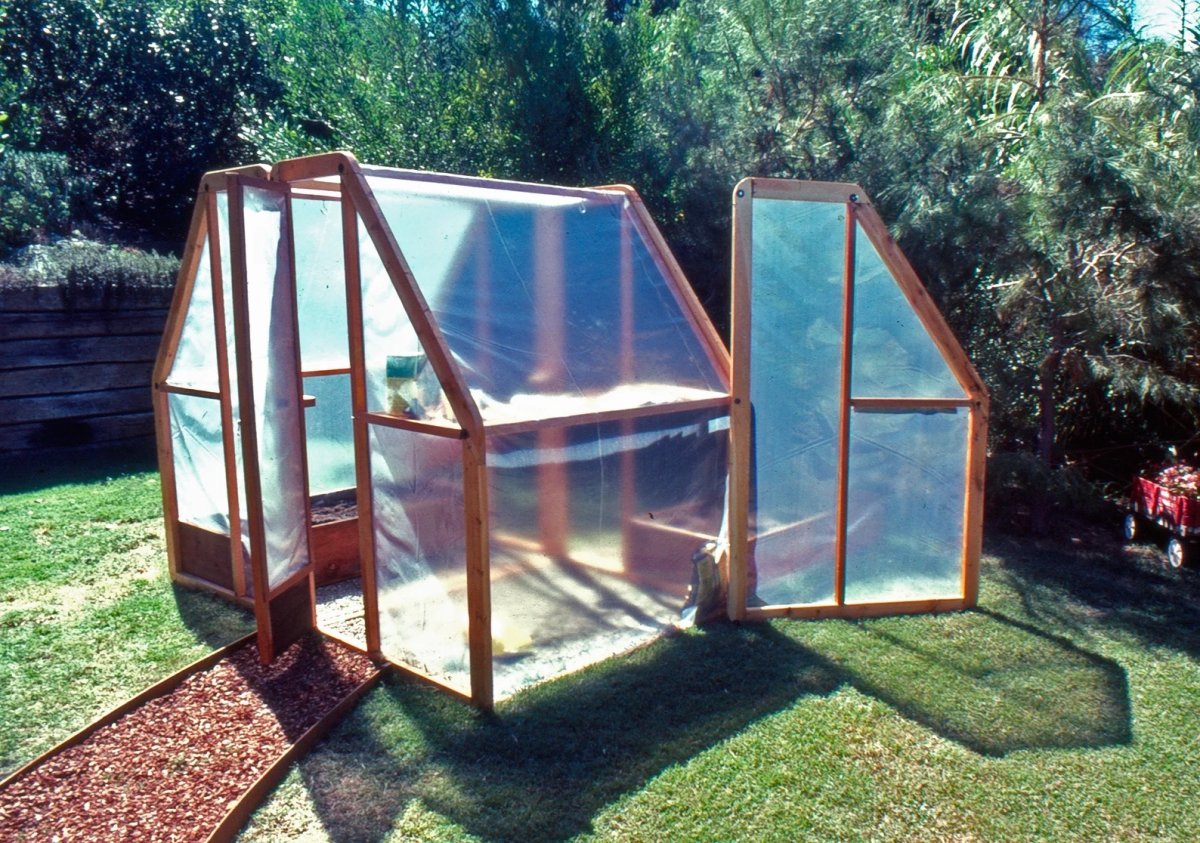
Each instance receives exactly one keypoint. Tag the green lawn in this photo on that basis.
(1067, 707)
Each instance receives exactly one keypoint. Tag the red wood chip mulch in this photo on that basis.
(170, 769)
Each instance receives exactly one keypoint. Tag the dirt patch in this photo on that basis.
(170, 769)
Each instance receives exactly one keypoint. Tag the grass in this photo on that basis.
(1064, 708)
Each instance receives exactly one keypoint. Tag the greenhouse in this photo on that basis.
(485, 431)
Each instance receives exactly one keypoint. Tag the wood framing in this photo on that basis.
(843, 434)
(740, 419)
(249, 426)
(860, 218)
(524, 412)
(162, 369)
(358, 404)
(221, 310)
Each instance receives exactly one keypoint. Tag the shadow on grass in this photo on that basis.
(214, 621)
(27, 472)
(987, 681)
(1099, 583)
(548, 761)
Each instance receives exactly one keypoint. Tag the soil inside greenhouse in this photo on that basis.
(171, 768)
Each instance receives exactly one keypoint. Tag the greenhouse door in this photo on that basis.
(858, 422)
(270, 412)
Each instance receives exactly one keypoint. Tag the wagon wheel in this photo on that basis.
(1132, 528)
(1177, 553)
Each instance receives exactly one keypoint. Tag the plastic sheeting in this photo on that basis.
(399, 379)
(893, 356)
(905, 506)
(329, 426)
(277, 408)
(195, 363)
(540, 294)
(196, 448)
(906, 467)
(320, 284)
(797, 258)
(420, 552)
(594, 530)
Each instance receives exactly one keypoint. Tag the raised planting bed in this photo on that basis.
(190, 758)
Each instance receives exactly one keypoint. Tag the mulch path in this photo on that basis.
(170, 769)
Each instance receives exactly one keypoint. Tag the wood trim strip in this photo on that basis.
(589, 193)
(573, 420)
(740, 440)
(446, 431)
(309, 167)
(187, 390)
(220, 179)
(900, 405)
(158, 689)
(362, 445)
(290, 580)
(479, 587)
(973, 505)
(852, 611)
(240, 812)
(845, 375)
(188, 581)
(320, 373)
(808, 191)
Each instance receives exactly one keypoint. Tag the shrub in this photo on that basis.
(40, 197)
(76, 264)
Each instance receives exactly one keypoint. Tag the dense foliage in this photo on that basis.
(1038, 159)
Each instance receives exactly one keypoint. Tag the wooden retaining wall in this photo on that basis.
(75, 367)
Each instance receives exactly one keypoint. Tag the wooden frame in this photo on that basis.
(339, 177)
(861, 218)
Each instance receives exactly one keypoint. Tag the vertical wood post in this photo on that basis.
(358, 400)
(973, 505)
(479, 586)
(737, 511)
(843, 478)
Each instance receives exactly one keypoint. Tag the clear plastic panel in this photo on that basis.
(420, 552)
(594, 534)
(893, 355)
(277, 405)
(195, 363)
(329, 426)
(552, 304)
(904, 523)
(400, 380)
(796, 298)
(199, 459)
(320, 284)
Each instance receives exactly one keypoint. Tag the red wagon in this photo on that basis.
(1177, 512)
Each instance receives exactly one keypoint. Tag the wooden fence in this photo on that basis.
(75, 367)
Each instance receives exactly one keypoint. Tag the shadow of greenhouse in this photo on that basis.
(548, 761)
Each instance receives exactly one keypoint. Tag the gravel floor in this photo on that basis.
(170, 769)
